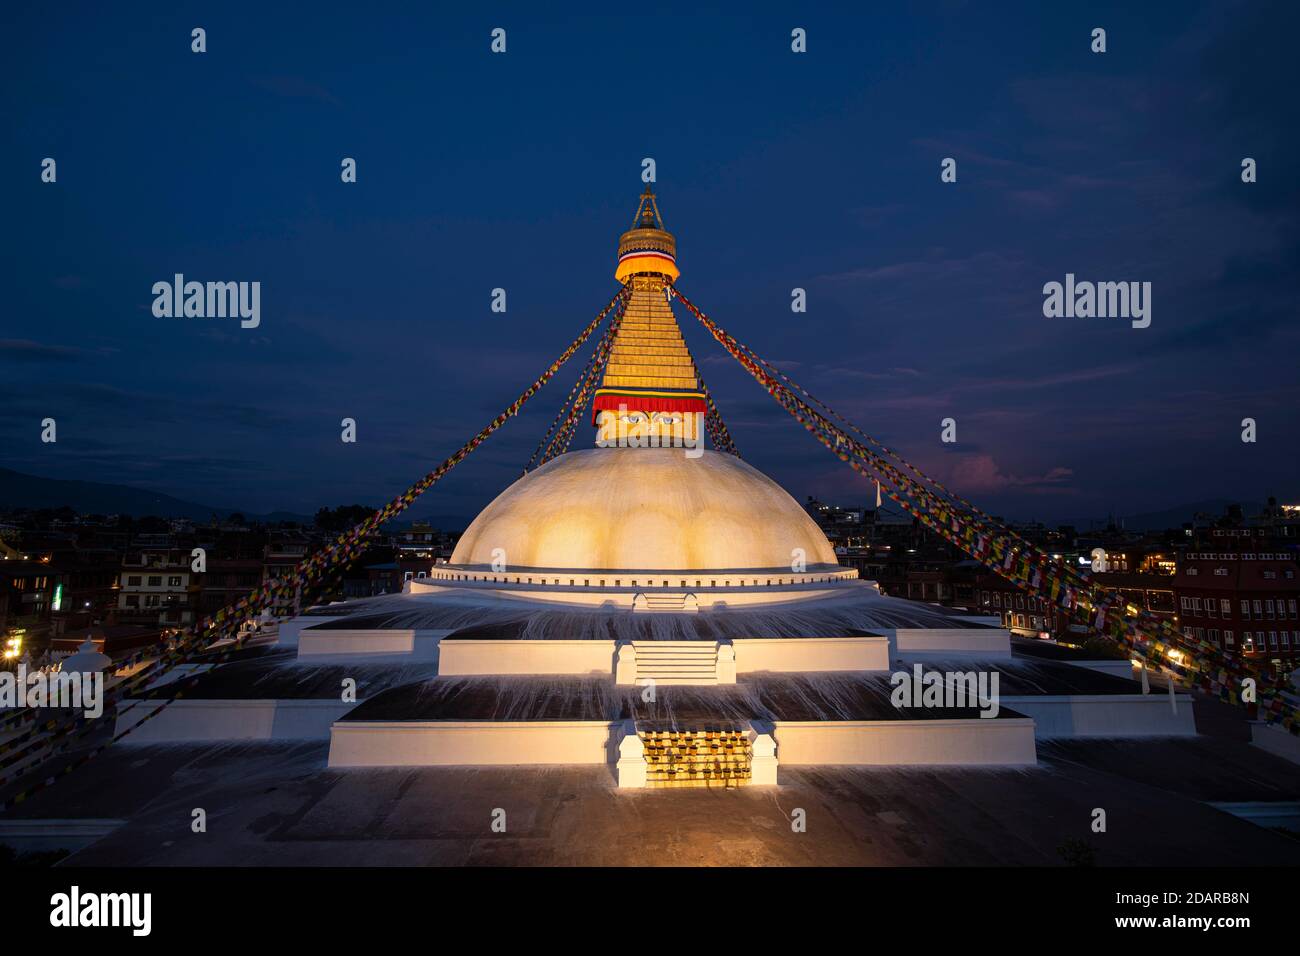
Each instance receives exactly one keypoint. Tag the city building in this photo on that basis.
(156, 586)
(1242, 600)
(280, 561)
(423, 545)
(30, 591)
(225, 581)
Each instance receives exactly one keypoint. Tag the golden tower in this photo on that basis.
(650, 387)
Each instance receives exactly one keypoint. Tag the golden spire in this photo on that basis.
(647, 248)
(647, 212)
(650, 383)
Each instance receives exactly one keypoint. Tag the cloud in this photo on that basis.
(25, 350)
(1054, 380)
(925, 270)
(896, 374)
(981, 473)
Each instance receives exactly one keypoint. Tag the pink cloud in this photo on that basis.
(981, 473)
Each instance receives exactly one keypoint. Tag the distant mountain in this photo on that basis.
(1171, 517)
(18, 490)
(96, 497)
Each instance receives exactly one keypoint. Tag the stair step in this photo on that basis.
(678, 678)
(675, 656)
(683, 681)
(710, 649)
(707, 650)
(677, 665)
(675, 645)
(665, 661)
(659, 660)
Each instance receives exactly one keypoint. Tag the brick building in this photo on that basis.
(1242, 600)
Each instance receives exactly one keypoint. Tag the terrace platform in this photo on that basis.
(278, 805)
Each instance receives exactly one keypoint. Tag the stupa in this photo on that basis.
(655, 606)
(649, 519)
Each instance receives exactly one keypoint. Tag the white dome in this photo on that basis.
(644, 509)
(87, 659)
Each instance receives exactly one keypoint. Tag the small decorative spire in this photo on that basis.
(647, 248)
(647, 212)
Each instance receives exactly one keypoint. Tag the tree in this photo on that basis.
(342, 517)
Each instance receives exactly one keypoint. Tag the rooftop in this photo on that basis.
(278, 807)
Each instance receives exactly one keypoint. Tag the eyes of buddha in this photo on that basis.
(658, 418)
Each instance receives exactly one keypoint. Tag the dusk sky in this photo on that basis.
(775, 170)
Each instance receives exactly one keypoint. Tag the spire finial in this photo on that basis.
(647, 248)
(647, 211)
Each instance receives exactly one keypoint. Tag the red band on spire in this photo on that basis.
(686, 404)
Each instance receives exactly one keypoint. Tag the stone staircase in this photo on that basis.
(680, 602)
(676, 662)
(717, 756)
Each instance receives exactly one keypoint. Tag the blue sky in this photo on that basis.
(775, 170)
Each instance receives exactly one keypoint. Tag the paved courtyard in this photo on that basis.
(276, 804)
